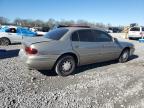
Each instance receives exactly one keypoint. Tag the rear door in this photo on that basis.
(83, 43)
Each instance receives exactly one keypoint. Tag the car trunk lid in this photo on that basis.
(33, 40)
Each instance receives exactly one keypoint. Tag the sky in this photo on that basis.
(114, 12)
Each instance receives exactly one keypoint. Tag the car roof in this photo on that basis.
(82, 28)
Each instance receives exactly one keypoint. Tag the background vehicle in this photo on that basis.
(40, 30)
(133, 24)
(14, 34)
(63, 49)
(114, 30)
(136, 32)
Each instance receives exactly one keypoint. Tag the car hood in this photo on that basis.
(34, 40)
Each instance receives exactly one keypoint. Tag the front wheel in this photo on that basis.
(124, 56)
(65, 66)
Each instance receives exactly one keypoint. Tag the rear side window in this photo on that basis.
(135, 29)
(142, 28)
(100, 36)
(11, 30)
(56, 34)
(75, 36)
(85, 36)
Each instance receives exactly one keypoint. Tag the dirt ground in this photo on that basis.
(102, 85)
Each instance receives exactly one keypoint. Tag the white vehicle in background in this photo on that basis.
(136, 32)
(13, 34)
(40, 30)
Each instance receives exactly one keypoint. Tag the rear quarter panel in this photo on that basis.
(52, 49)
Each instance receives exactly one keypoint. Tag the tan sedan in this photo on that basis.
(63, 49)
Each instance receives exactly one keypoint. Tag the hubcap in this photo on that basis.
(4, 42)
(125, 55)
(66, 66)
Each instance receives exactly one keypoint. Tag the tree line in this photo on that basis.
(50, 23)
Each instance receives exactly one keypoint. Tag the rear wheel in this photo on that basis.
(4, 41)
(65, 65)
(124, 56)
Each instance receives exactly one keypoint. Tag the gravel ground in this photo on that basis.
(103, 85)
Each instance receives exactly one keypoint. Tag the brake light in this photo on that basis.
(30, 50)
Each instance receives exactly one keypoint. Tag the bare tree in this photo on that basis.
(18, 21)
(39, 23)
(4, 20)
(66, 22)
(50, 23)
(83, 23)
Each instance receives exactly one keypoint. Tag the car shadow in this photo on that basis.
(16, 44)
(102, 64)
(133, 57)
(48, 72)
(85, 67)
(8, 53)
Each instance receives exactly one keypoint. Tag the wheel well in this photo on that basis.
(71, 54)
(6, 38)
(126, 48)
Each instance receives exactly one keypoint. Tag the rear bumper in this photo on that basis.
(134, 36)
(38, 62)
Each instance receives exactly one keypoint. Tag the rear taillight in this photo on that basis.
(30, 50)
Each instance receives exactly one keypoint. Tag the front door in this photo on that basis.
(111, 50)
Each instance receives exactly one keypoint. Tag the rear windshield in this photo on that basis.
(56, 34)
(142, 28)
(135, 29)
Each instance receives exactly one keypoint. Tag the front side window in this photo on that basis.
(100, 36)
(85, 36)
(56, 34)
(135, 29)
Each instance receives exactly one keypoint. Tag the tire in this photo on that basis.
(124, 56)
(65, 65)
(4, 41)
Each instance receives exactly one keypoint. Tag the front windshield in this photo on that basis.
(56, 34)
